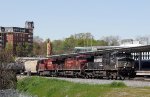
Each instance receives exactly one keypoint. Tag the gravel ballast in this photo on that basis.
(13, 93)
(131, 83)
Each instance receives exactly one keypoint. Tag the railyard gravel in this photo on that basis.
(13, 93)
(131, 83)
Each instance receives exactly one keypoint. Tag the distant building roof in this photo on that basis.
(12, 29)
(130, 43)
(29, 25)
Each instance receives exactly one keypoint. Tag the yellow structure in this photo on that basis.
(49, 48)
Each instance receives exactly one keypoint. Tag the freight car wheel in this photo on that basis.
(40, 73)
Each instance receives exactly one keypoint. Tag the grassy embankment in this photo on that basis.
(57, 88)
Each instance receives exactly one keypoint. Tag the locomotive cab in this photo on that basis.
(126, 67)
(125, 63)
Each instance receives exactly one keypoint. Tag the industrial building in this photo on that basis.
(17, 35)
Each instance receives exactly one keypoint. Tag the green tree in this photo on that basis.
(9, 47)
(6, 56)
(27, 49)
(78, 40)
(112, 40)
(36, 48)
(58, 47)
(19, 50)
(69, 44)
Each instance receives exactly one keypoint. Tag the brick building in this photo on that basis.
(16, 35)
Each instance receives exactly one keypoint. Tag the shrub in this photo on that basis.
(118, 84)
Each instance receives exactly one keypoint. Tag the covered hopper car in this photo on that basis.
(30, 66)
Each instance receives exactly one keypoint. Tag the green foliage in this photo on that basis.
(118, 84)
(111, 40)
(19, 50)
(39, 48)
(23, 50)
(67, 45)
(27, 49)
(44, 87)
(78, 40)
(6, 56)
(51, 87)
(58, 47)
(9, 47)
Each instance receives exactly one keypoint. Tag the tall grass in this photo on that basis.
(117, 84)
(57, 88)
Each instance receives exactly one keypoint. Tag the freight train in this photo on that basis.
(112, 65)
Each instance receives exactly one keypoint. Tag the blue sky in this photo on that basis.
(58, 19)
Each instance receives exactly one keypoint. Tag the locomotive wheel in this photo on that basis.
(121, 77)
(75, 75)
(87, 76)
(116, 78)
(101, 77)
(129, 77)
(111, 77)
(107, 77)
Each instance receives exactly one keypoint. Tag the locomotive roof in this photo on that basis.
(125, 59)
(145, 48)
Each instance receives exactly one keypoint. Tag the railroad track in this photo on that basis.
(135, 79)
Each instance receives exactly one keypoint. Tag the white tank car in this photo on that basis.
(30, 66)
